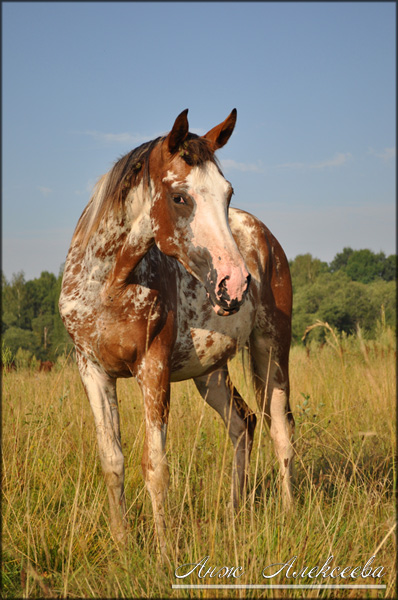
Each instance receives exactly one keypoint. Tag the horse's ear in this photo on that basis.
(219, 135)
(179, 132)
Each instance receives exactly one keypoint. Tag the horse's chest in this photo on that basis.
(205, 340)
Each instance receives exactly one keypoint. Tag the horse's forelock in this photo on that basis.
(196, 150)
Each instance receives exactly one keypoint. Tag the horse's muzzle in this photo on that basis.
(223, 305)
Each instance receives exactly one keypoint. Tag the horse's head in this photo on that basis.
(189, 212)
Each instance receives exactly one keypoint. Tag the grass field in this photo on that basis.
(56, 540)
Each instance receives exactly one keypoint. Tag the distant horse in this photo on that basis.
(46, 366)
(164, 282)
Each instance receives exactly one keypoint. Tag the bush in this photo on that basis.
(15, 338)
(7, 356)
(23, 359)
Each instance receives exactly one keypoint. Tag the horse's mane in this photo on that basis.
(112, 188)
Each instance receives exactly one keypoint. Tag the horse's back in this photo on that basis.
(262, 252)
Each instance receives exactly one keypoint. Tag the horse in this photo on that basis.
(165, 282)
(46, 366)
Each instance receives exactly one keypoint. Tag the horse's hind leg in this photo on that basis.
(219, 392)
(270, 361)
(101, 392)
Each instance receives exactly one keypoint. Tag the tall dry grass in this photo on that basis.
(56, 539)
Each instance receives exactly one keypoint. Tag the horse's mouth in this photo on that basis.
(224, 311)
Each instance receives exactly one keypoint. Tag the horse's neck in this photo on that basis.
(126, 241)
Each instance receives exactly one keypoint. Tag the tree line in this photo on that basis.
(31, 325)
(356, 288)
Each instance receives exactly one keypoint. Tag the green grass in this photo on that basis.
(56, 539)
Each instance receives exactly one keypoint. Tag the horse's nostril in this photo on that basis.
(222, 289)
(248, 280)
(223, 282)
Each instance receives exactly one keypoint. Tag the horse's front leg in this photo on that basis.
(154, 379)
(101, 392)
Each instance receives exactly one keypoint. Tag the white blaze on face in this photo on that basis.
(210, 227)
(170, 176)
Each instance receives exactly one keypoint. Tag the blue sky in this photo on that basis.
(313, 152)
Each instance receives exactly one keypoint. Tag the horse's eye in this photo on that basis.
(179, 200)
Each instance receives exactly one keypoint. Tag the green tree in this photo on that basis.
(32, 306)
(41, 292)
(341, 259)
(16, 311)
(305, 269)
(43, 327)
(343, 303)
(15, 338)
(384, 293)
(389, 271)
(308, 301)
(365, 266)
(348, 306)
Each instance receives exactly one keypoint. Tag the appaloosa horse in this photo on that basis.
(164, 282)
